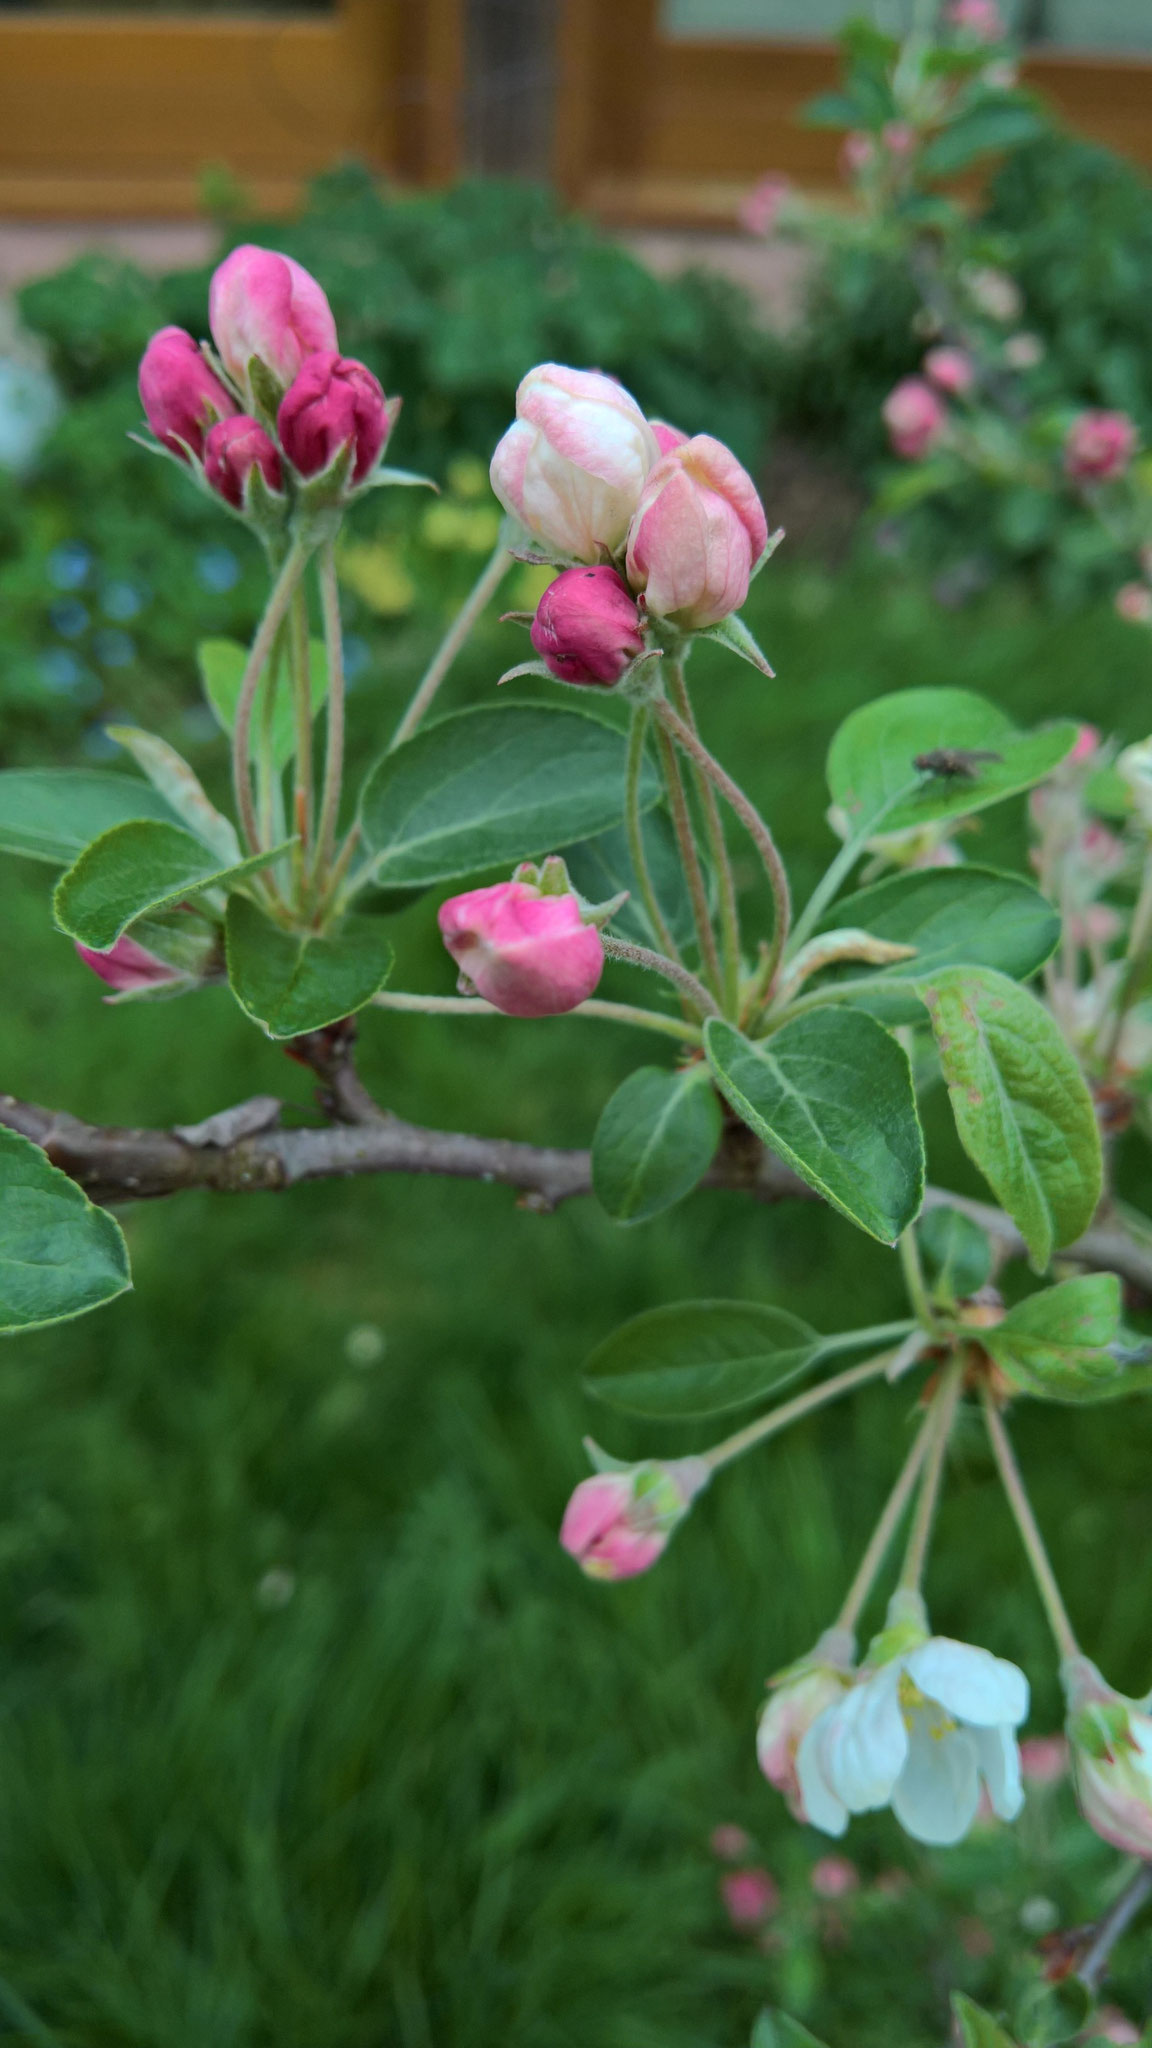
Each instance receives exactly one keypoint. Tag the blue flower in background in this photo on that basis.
(65, 676)
(112, 648)
(69, 564)
(218, 569)
(69, 617)
(122, 601)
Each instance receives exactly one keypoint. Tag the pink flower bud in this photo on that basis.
(697, 534)
(951, 370)
(529, 954)
(750, 1897)
(1133, 602)
(127, 965)
(572, 466)
(915, 418)
(857, 154)
(180, 395)
(263, 304)
(833, 1877)
(798, 1696)
(587, 626)
(1044, 1759)
(977, 18)
(729, 1842)
(233, 449)
(1087, 743)
(898, 137)
(760, 209)
(1110, 2024)
(1099, 446)
(617, 1524)
(334, 404)
(667, 437)
(1111, 1746)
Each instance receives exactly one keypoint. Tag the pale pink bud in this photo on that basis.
(898, 137)
(750, 1897)
(729, 1842)
(997, 295)
(796, 1699)
(127, 965)
(263, 304)
(333, 404)
(667, 437)
(1110, 2024)
(1001, 77)
(833, 1877)
(915, 417)
(180, 395)
(1099, 446)
(587, 626)
(1133, 602)
(527, 953)
(857, 154)
(1111, 1747)
(950, 370)
(233, 449)
(1044, 1759)
(1087, 742)
(977, 18)
(1023, 351)
(572, 466)
(760, 209)
(617, 1524)
(698, 532)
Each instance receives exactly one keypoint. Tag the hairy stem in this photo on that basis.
(334, 751)
(1013, 1483)
(717, 845)
(881, 1538)
(913, 1272)
(302, 787)
(941, 1416)
(803, 1404)
(643, 956)
(690, 858)
(283, 592)
(637, 733)
(483, 590)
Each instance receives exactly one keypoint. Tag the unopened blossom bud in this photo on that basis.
(1044, 1759)
(335, 404)
(667, 437)
(729, 1842)
(750, 1897)
(529, 953)
(1134, 767)
(834, 1877)
(898, 138)
(915, 417)
(760, 209)
(980, 19)
(951, 370)
(587, 627)
(1133, 602)
(798, 1696)
(1099, 446)
(1023, 351)
(993, 292)
(1087, 743)
(127, 965)
(267, 305)
(1110, 2024)
(1111, 1745)
(617, 1524)
(232, 450)
(857, 154)
(697, 534)
(572, 466)
(181, 397)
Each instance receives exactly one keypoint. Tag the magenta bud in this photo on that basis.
(617, 1524)
(750, 1896)
(334, 404)
(980, 19)
(180, 395)
(527, 953)
(233, 449)
(263, 304)
(951, 370)
(1099, 446)
(915, 417)
(696, 535)
(587, 627)
(127, 965)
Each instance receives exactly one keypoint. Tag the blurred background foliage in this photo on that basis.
(308, 1731)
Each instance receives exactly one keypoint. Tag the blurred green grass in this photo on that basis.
(309, 1734)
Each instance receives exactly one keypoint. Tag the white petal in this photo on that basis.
(938, 1793)
(969, 1683)
(999, 1760)
(821, 1806)
(864, 1745)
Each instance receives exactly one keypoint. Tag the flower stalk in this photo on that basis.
(1012, 1481)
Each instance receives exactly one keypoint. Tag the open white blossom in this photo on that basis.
(925, 1723)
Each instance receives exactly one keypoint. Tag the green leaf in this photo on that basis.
(52, 814)
(486, 787)
(296, 981)
(139, 867)
(600, 868)
(654, 1140)
(958, 1252)
(870, 762)
(1050, 2015)
(776, 2030)
(180, 786)
(975, 2028)
(1022, 1108)
(832, 1094)
(1054, 1344)
(832, 110)
(955, 917)
(698, 1358)
(59, 1255)
(222, 664)
(993, 125)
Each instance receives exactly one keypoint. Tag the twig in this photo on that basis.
(1113, 1924)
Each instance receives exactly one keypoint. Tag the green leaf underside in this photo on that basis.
(135, 868)
(871, 775)
(1054, 1343)
(52, 814)
(222, 664)
(291, 982)
(59, 1255)
(955, 917)
(486, 787)
(832, 1095)
(601, 867)
(777, 2030)
(958, 1252)
(655, 1138)
(1022, 1108)
(975, 2028)
(697, 1358)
